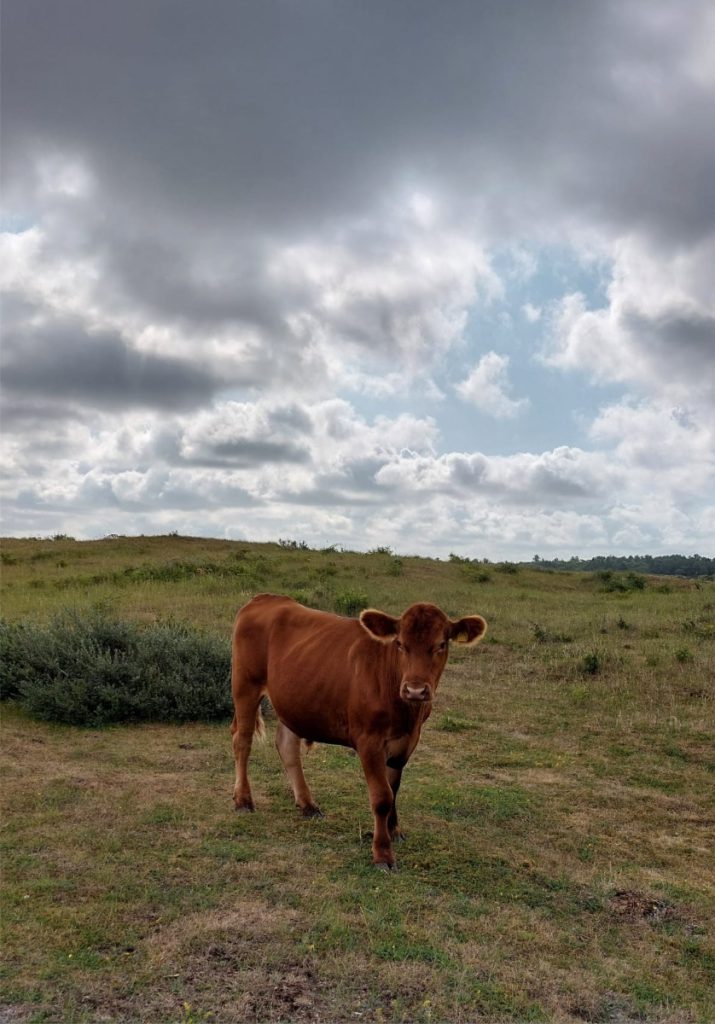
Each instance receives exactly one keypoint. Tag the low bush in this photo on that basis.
(475, 573)
(613, 583)
(350, 603)
(547, 636)
(591, 663)
(510, 568)
(90, 669)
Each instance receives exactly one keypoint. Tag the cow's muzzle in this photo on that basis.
(416, 693)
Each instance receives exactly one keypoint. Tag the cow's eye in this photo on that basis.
(441, 647)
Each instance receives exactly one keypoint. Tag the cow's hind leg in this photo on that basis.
(288, 746)
(246, 720)
(394, 777)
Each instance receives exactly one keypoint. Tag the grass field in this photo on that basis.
(559, 811)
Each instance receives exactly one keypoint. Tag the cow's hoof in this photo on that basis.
(398, 837)
(312, 812)
(244, 808)
(385, 867)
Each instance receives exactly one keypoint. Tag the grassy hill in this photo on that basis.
(560, 811)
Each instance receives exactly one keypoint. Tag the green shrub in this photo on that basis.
(613, 583)
(591, 663)
(635, 582)
(350, 603)
(92, 670)
(546, 636)
(21, 651)
(475, 573)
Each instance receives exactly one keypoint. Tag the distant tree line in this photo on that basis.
(658, 565)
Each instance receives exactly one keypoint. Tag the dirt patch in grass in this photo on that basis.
(13, 1015)
(244, 929)
(230, 953)
(640, 906)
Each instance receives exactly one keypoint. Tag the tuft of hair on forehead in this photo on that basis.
(423, 621)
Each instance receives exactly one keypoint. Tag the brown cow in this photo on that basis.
(366, 684)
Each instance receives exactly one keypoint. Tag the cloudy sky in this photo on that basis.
(439, 276)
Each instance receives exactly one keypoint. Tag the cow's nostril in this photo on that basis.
(416, 692)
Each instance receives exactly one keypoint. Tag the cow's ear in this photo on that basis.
(468, 630)
(380, 626)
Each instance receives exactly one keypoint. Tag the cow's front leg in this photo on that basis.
(382, 802)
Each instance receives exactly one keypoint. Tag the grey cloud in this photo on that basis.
(244, 117)
(469, 471)
(62, 362)
(356, 476)
(293, 417)
(33, 414)
(239, 453)
(679, 344)
(245, 453)
(162, 275)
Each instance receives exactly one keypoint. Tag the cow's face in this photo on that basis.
(420, 639)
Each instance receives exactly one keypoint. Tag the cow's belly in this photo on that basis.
(312, 725)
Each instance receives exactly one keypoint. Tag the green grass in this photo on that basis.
(563, 764)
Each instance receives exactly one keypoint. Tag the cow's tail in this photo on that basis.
(259, 730)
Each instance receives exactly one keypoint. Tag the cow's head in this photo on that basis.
(420, 638)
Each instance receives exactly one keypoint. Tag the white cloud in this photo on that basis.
(657, 330)
(393, 288)
(487, 386)
(665, 448)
